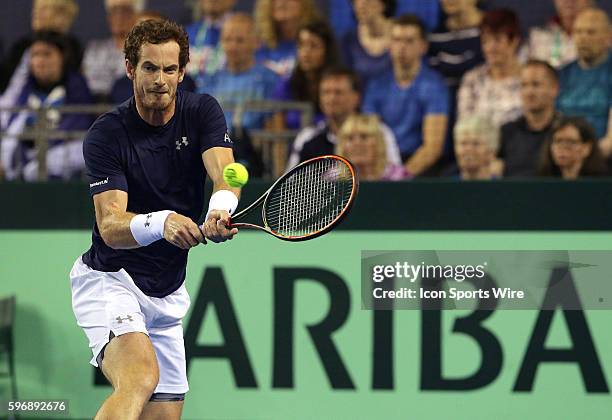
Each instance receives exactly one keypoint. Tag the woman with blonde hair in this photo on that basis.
(277, 23)
(361, 140)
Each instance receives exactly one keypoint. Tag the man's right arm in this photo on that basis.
(114, 223)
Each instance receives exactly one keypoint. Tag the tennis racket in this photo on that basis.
(307, 201)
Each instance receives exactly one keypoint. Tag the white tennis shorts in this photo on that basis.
(110, 301)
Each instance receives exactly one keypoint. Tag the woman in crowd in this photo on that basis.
(278, 22)
(572, 151)
(493, 88)
(50, 82)
(365, 49)
(476, 144)
(315, 52)
(361, 140)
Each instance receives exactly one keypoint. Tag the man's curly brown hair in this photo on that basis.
(156, 31)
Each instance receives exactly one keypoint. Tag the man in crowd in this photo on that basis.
(339, 97)
(103, 62)
(242, 79)
(586, 84)
(204, 36)
(413, 99)
(522, 139)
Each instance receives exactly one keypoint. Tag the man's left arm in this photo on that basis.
(224, 199)
(434, 133)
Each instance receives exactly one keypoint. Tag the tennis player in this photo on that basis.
(147, 161)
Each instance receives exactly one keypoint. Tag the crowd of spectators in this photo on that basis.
(403, 88)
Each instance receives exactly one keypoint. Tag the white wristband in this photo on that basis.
(148, 228)
(223, 200)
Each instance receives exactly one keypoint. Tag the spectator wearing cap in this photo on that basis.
(365, 49)
(476, 142)
(522, 139)
(572, 151)
(205, 53)
(586, 84)
(553, 42)
(493, 88)
(412, 99)
(340, 94)
(103, 62)
(50, 82)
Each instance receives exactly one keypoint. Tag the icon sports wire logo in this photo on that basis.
(98, 183)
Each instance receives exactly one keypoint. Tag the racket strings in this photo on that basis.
(310, 199)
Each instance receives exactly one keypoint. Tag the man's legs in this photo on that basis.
(131, 367)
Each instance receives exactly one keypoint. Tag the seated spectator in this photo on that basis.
(476, 143)
(341, 13)
(366, 48)
(123, 88)
(572, 151)
(339, 96)
(50, 82)
(47, 15)
(454, 46)
(361, 140)
(205, 54)
(493, 88)
(103, 62)
(242, 79)
(412, 99)
(553, 43)
(316, 51)
(454, 49)
(586, 84)
(278, 23)
(522, 139)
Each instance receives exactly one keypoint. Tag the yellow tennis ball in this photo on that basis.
(236, 175)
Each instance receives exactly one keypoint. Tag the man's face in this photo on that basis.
(46, 63)
(472, 152)
(538, 89)
(216, 8)
(591, 35)
(337, 97)
(120, 16)
(407, 45)
(157, 75)
(238, 41)
(498, 48)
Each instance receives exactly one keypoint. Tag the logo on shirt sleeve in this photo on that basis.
(98, 183)
(227, 139)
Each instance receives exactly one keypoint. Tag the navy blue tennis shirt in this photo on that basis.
(161, 168)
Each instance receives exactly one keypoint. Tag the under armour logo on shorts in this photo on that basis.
(127, 318)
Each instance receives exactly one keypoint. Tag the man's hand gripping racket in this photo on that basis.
(307, 201)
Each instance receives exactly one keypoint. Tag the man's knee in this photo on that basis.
(130, 364)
